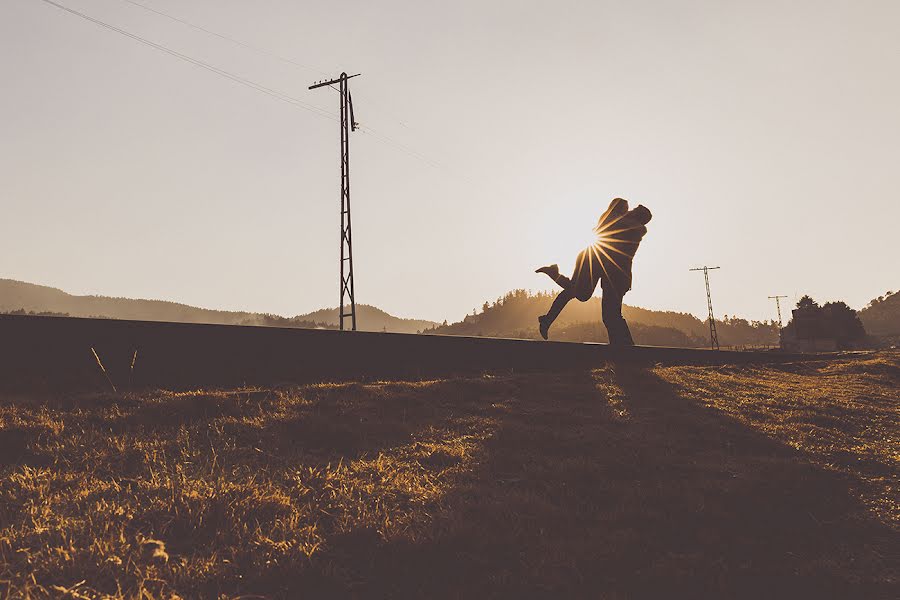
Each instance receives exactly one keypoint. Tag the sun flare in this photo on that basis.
(607, 245)
(592, 238)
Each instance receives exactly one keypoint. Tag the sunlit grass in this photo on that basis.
(613, 483)
(842, 415)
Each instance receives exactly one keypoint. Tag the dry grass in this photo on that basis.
(842, 416)
(619, 483)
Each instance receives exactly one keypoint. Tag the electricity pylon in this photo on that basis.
(348, 124)
(778, 308)
(713, 335)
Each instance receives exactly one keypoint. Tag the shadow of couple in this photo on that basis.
(609, 483)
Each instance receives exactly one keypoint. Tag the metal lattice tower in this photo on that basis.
(778, 308)
(348, 124)
(713, 335)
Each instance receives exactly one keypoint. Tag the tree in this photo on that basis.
(806, 303)
(844, 323)
(831, 321)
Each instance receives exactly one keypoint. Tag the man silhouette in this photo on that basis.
(608, 261)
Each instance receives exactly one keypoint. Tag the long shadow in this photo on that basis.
(627, 490)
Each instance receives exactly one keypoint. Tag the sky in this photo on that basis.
(764, 137)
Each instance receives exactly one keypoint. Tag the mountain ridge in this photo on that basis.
(30, 297)
(881, 316)
(513, 315)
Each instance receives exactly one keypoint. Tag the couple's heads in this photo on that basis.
(619, 207)
(641, 214)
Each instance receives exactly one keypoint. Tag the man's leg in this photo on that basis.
(616, 326)
(559, 303)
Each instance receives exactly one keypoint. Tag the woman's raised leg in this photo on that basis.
(552, 271)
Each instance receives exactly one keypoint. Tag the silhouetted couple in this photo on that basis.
(607, 262)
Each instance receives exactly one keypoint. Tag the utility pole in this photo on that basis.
(713, 335)
(778, 307)
(348, 124)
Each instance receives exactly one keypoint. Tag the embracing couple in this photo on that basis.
(607, 262)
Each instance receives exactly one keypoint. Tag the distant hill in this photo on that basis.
(515, 315)
(882, 315)
(29, 297)
(370, 318)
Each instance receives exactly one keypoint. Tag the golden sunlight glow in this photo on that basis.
(589, 239)
(607, 245)
(610, 245)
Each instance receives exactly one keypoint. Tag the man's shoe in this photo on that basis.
(543, 326)
(552, 271)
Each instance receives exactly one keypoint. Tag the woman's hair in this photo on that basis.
(617, 209)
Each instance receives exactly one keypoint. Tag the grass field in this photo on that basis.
(623, 482)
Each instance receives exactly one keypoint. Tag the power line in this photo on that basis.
(384, 139)
(230, 39)
(199, 63)
(257, 49)
(399, 146)
(252, 84)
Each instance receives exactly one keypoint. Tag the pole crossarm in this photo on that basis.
(332, 81)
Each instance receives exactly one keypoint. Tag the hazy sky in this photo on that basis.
(764, 136)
